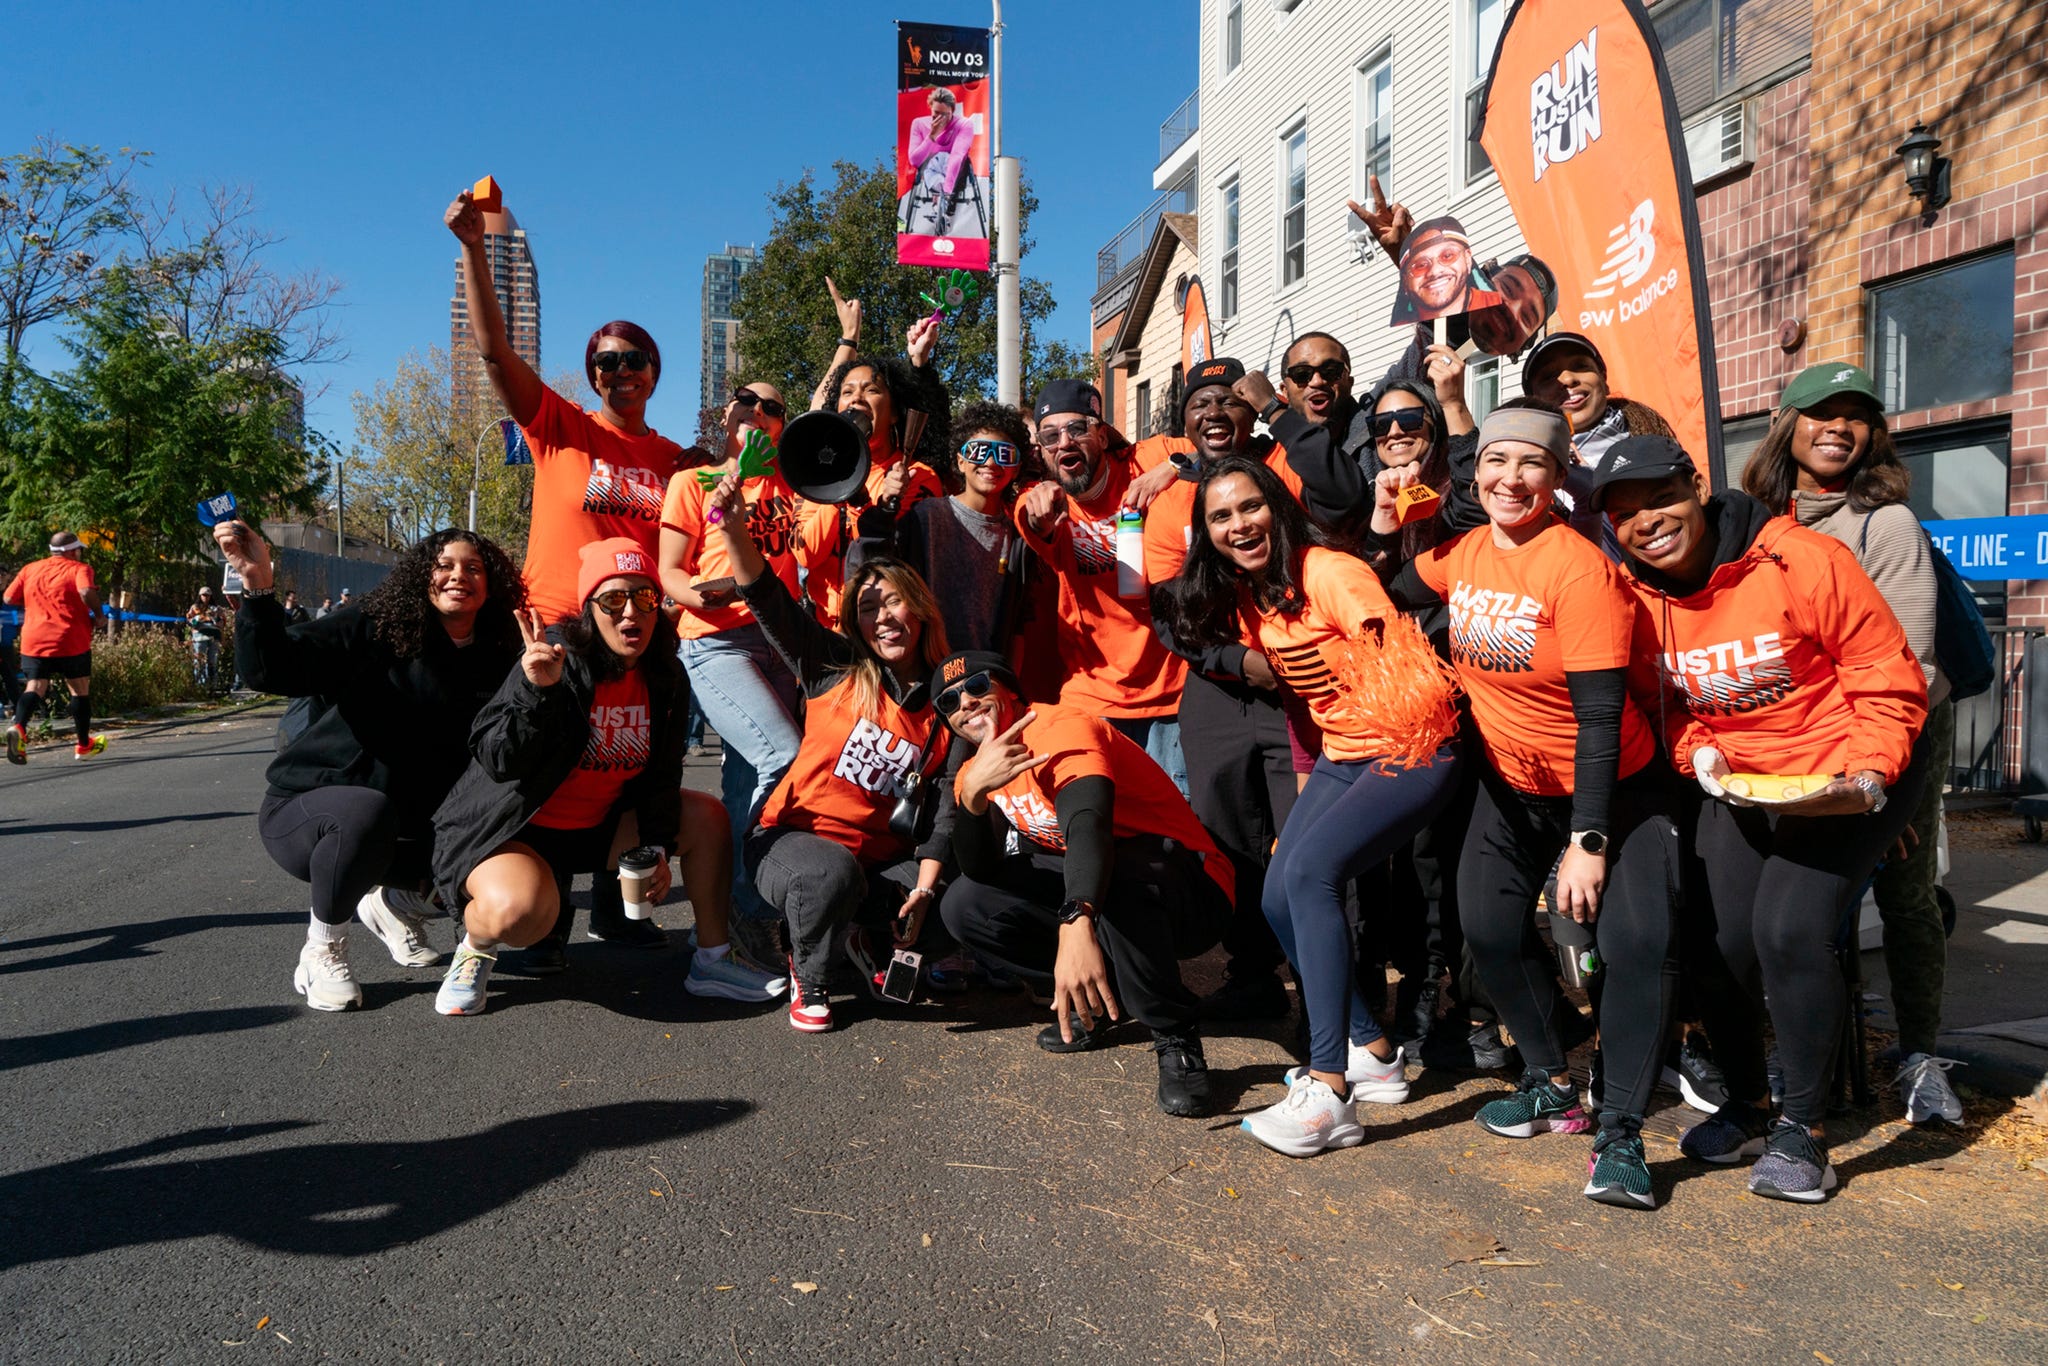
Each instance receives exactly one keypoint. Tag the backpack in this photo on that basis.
(1962, 647)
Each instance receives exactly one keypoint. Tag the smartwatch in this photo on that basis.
(1074, 909)
(1590, 841)
(1271, 410)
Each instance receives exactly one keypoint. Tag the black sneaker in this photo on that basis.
(1690, 1070)
(1085, 1039)
(546, 958)
(1731, 1133)
(634, 934)
(1240, 999)
(1183, 1076)
(1617, 1173)
(1415, 1001)
(1459, 1046)
(1596, 1082)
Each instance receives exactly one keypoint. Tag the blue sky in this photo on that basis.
(631, 139)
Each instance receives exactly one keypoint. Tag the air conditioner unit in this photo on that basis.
(1723, 141)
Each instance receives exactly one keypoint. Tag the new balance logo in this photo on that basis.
(1630, 250)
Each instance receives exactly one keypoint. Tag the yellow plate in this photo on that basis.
(1769, 789)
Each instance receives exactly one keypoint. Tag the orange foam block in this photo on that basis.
(487, 196)
(1414, 503)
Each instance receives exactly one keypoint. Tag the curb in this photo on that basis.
(1999, 1067)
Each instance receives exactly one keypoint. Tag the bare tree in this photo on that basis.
(61, 206)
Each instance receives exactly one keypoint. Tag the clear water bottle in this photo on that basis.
(1130, 553)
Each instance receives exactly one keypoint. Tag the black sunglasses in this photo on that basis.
(1407, 419)
(985, 451)
(974, 685)
(610, 361)
(1331, 370)
(612, 602)
(772, 407)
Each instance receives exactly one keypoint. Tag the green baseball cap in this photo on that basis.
(1816, 384)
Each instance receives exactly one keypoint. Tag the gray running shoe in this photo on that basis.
(463, 989)
(1923, 1085)
(1794, 1167)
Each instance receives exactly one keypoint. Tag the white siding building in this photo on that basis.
(1299, 99)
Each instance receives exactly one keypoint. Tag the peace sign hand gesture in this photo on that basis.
(1390, 224)
(542, 662)
(999, 759)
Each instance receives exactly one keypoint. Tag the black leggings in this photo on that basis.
(1779, 893)
(1513, 843)
(342, 840)
(1242, 786)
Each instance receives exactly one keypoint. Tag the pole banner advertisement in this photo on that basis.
(1584, 133)
(1195, 344)
(943, 195)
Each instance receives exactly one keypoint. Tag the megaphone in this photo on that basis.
(824, 457)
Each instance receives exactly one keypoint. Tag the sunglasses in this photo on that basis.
(1077, 432)
(612, 602)
(610, 361)
(1409, 420)
(974, 685)
(984, 451)
(771, 407)
(1330, 370)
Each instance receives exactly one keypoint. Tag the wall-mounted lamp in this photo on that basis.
(1926, 173)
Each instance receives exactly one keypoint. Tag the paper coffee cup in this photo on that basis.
(636, 876)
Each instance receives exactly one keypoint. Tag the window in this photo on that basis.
(1739, 440)
(1293, 205)
(1486, 19)
(1482, 387)
(1227, 285)
(1143, 424)
(1943, 335)
(1715, 49)
(1233, 35)
(1375, 126)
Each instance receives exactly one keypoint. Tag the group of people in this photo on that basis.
(1047, 706)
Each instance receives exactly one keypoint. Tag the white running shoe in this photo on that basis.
(1308, 1121)
(462, 990)
(399, 918)
(323, 976)
(1382, 1083)
(1923, 1084)
(732, 979)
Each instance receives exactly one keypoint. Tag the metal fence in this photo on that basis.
(1992, 753)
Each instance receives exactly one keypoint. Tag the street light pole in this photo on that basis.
(1008, 195)
(476, 472)
(340, 541)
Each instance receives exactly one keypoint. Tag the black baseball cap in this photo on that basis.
(1067, 396)
(1220, 370)
(1556, 344)
(1639, 457)
(966, 663)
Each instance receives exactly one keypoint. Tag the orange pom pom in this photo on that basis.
(1399, 695)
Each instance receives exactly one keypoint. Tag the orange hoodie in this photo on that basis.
(1787, 660)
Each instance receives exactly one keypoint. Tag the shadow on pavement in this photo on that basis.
(132, 941)
(77, 827)
(105, 1038)
(318, 1199)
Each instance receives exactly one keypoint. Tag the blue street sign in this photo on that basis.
(1995, 548)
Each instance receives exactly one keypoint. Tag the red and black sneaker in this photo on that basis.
(810, 1006)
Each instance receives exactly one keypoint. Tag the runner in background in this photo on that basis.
(58, 602)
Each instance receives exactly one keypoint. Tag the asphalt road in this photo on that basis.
(196, 1168)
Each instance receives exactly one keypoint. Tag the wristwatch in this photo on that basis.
(1073, 909)
(1873, 789)
(1267, 413)
(1590, 841)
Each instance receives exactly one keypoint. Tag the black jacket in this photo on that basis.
(398, 726)
(525, 743)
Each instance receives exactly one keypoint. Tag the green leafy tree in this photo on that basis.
(847, 230)
(145, 423)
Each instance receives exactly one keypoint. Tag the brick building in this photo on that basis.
(518, 285)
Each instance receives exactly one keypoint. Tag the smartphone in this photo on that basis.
(899, 981)
(717, 588)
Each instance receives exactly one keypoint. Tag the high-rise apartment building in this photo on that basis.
(722, 273)
(518, 285)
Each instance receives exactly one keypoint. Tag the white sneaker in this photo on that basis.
(1382, 1083)
(1308, 1121)
(1923, 1084)
(323, 976)
(399, 918)
(463, 989)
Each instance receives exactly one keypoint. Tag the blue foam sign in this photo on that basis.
(217, 509)
(1995, 548)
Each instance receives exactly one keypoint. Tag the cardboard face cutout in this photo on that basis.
(1438, 276)
(1528, 293)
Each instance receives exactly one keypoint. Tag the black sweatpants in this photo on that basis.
(1241, 783)
(1513, 843)
(1778, 894)
(343, 841)
(1161, 907)
(820, 888)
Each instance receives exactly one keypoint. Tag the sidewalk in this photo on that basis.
(1995, 1012)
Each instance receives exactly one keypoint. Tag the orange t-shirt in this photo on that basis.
(771, 522)
(1520, 620)
(54, 621)
(1075, 746)
(591, 481)
(1168, 529)
(621, 737)
(1154, 450)
(821, 548)
(849, 771)
(1114, 665)
(1312, 653)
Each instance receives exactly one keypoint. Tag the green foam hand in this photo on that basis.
(956, 289)
(757, 457)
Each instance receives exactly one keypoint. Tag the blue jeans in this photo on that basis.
(750, 698)
(1158, 736)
